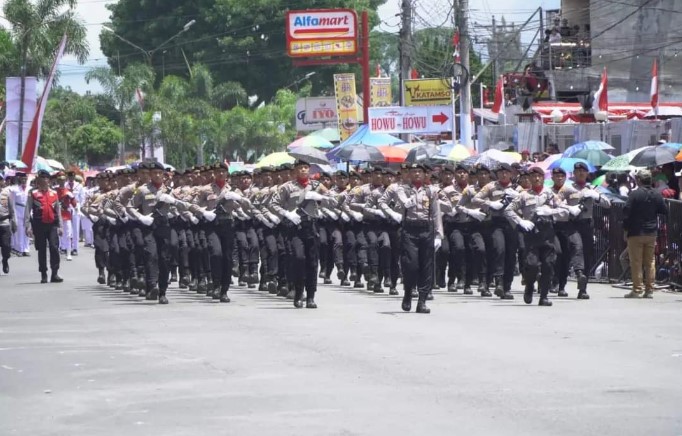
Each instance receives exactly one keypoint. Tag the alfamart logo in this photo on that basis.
(322, 24)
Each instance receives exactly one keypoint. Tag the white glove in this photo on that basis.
(511, 192)
(111, 220)
(194, 219)
(591, 193)
(544, 211)
(231, 195)
(410, 202)
(124, 218)
(273, 218)
(293, 217)
(437, 243)
(146, 220)
(345, 217)
(527, 225)
(331, 214)
(208, 215)
(266, 222)
(94, 218)
(314, 196)
(375, 212)
(395, 216)
(476, 214)
(357, 216)
(574, 210)
(165, 198)
(496, 205)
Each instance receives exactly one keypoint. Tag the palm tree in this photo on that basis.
(36, 29)
(121, 89)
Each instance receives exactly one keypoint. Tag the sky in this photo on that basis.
(428, 13)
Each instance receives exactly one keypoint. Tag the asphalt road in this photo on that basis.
(79, 358)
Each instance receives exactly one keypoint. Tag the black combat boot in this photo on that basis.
(582, 285)
(223, 295)
(43, 277)
(310, 301)
(162, 298)
(421, 304)
(174, 275)
(407, 301)
(55, 277)
(499, 288)
(100, 278)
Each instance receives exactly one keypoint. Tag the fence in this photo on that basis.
(610, 244)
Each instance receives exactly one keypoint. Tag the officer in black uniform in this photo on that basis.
(43, 213)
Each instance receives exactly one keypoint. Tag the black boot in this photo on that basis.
(528, 293)
(429, 296)
(421, 304)
(153, 294)
(126, 285)
(358, 285)
(345, 282)
(452, 287)
(271, 287)
(544, 301)
(562, 293)
(467, 290)
(174, 276)
(407, 301)
(5, 266)
(310, 303)
(55, 277)
(378, 289)
(483, 288)
(499, 289)
(340, 274)
(282, 291)
(100, 278)
(393, 291)
(43, 277)
(162, 298)
(223, 296)
(290, 295)
(582, 285)
(327, 281)
(201, 286)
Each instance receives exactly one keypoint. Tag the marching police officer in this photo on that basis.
(8, 224)
(43, 222)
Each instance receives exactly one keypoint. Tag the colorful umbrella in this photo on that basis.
(310, 155)
(330, 134)
(17, 164)
(587, 145)
(311, 141)
(622, 162)
(679, 157)
(674, 145)
(456, 153)
(422, 152)
(393, 154)
(547, 162)
(492, 158)
(364, 153)
(653, 156)
(54, 164)
(567, 164)
(595, 157)
(363, 136)
(275, 159)
(599, 181)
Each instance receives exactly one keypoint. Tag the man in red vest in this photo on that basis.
(43, 213)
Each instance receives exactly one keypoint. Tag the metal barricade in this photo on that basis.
(672, 256)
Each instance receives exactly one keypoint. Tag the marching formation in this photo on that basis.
(281, 230)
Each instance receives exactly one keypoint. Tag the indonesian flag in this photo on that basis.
(414, 74)
(378, 72)
(33, 141)
(139, 97)
(455, 45)
(498, 106)
(654, 86)
(601, 97)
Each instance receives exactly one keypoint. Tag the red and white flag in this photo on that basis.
(414, 74)
(378, 72)
(33, 141)
(601, 97)
(654, 87)
(139, 97)
(498, 105)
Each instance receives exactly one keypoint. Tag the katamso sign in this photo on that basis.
(321, 32)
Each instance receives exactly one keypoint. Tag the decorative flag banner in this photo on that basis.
(380, 92)
(346, 104)
(498, 105)
(654, 87)
(33, 140)
(601, 97)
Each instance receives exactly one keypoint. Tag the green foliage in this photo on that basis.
(96, 142)
(237, 41)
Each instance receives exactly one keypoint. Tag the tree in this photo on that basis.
(237, 40)
(97, 141)
(36, 30)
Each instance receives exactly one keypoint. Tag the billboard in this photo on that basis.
(13, 99)
(415, 119)
(315, 113)
(380, 92)
(321, 32)
(427, 92)
(346, 104)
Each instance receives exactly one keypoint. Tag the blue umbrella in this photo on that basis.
(567, 164)
(587, 145)
(673, 145)
(363, 136)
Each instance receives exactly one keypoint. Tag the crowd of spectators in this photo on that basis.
(566, 46)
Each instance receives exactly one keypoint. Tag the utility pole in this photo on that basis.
(405, 45)
(465, 134)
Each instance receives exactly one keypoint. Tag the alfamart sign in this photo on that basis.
(321, 32)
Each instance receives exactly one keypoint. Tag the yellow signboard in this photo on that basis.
(427, 92)
(346, 104)
(380, 92)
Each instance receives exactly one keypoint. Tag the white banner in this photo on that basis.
(13, 97)
(315, 113)
(415, 119)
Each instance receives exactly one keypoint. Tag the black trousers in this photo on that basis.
(570, 254)
(327, 246)
(282, 258)
(394, 237)
(540, 256)
(501, 241)
(417, 258)
(247, 245)
(476, 253)
(350, 257)
(220, 238)
(5, 242)
(46, 238)
(157, 255)
(99, 231)
(303, 248)
(126, 251)
(585, 228)
(114, 250)
(138, 247)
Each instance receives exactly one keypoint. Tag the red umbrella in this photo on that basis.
(393, 154)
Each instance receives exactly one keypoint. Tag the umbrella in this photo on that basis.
(595, 157)
(309, 154)
(422, 152)
(311, 141)
(275, 159)
(673, 145)
(328, 133)
(679, 157)
(393, 154)
(567, 164)
(587, 145)
(548, 161)
(54, 164)
(599, 181)
(492, 158)
(653, 156)
(365, 153)
(41, 164)
(456, 153)
(363, 136)
(502, 146)
(622, 162)
(17, 164)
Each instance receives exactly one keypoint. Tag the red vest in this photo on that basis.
(44, 205)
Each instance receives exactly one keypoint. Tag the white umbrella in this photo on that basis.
(54, 164)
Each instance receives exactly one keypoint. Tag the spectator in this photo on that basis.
(640, 223)
(554, 37)
(623, 185)
(536, 157)
(552, 148)
(564, 30)
(524, 157)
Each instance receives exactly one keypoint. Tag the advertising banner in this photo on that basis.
(346, 104)
(321, 32)
(380, 92)
(427, 92)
